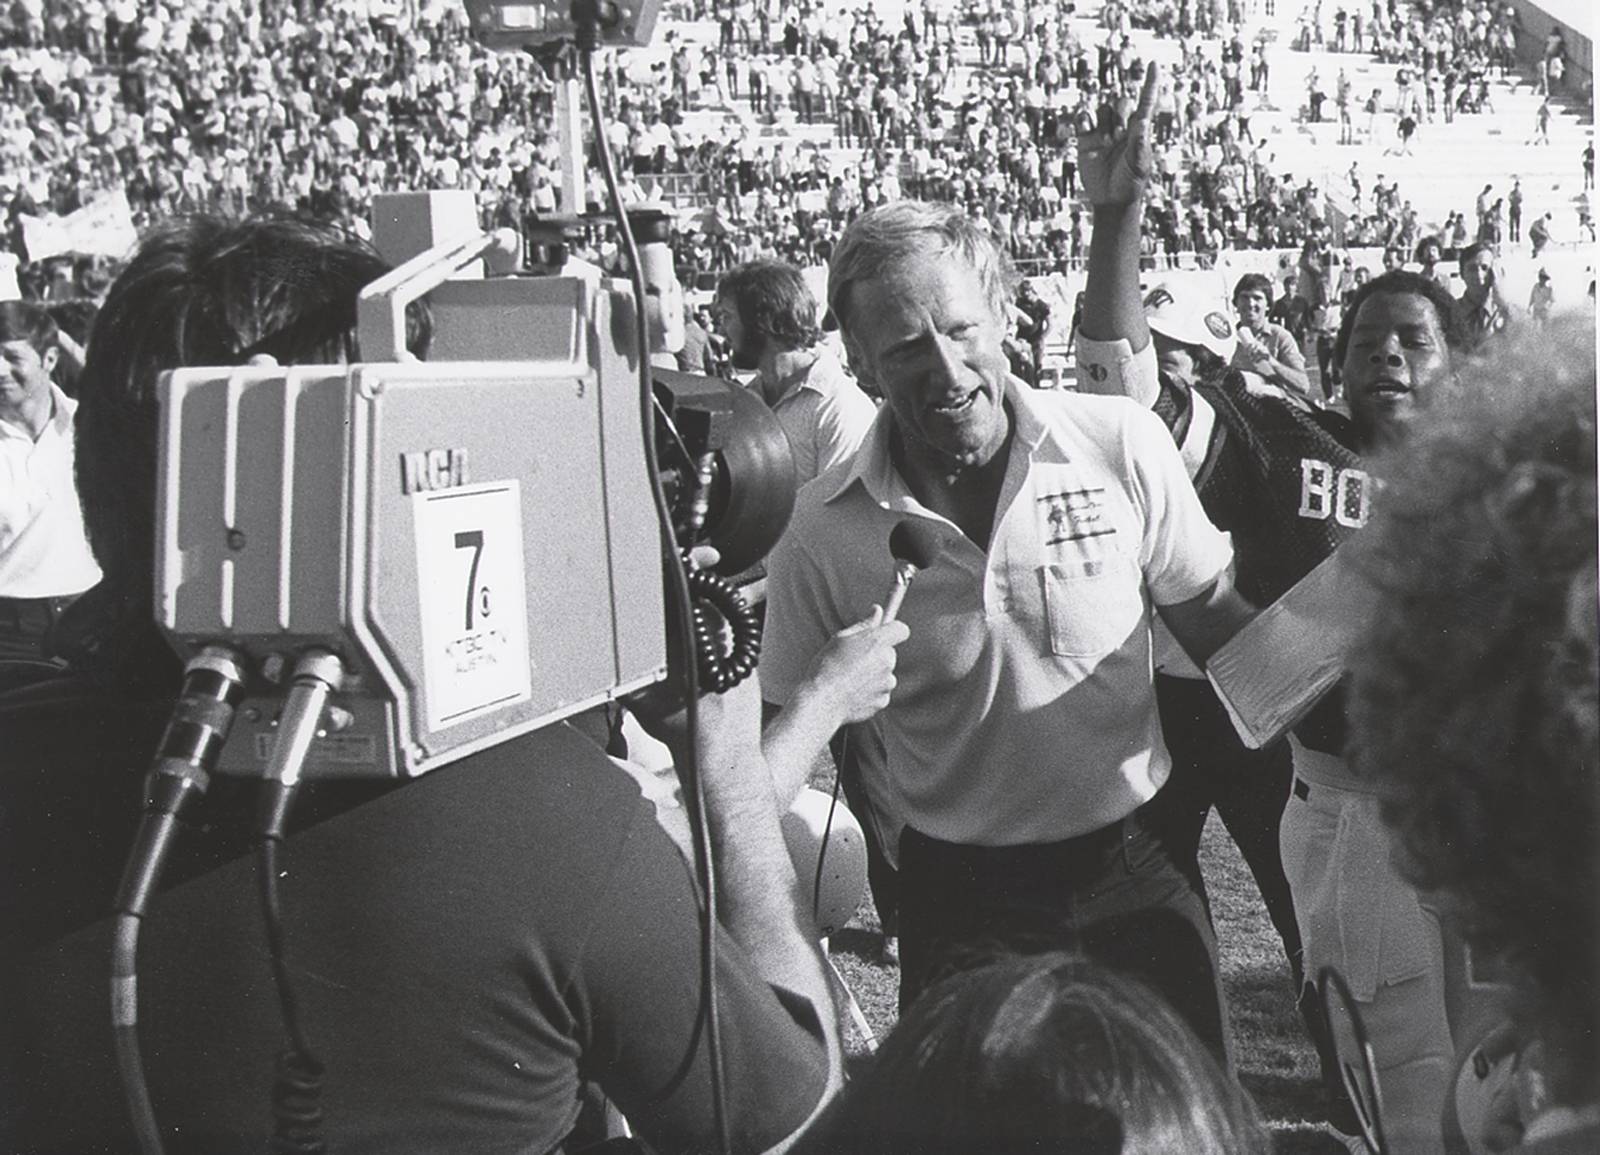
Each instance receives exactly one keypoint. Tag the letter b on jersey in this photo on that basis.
(1326, 492)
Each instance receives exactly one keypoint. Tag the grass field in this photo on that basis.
(1276, 1062)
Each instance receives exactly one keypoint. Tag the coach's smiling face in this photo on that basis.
(930, 338)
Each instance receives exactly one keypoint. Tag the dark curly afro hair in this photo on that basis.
(1474, 692)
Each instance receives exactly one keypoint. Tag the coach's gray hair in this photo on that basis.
(892, 233)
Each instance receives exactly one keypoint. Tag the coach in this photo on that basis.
(1022, 738)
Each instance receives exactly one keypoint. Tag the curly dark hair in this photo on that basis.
(1402, 281)
(1475, 691)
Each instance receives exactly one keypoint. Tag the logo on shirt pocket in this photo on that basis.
(1073, 515)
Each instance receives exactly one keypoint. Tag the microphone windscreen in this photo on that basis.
(916, 541)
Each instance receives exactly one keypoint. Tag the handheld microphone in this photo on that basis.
(914, 544)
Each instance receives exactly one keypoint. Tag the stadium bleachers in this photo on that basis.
(1448, 163)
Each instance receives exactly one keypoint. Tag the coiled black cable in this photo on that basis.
(720, 670)
(587, 17)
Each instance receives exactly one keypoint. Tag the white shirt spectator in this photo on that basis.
(44, 552)
(825, 415)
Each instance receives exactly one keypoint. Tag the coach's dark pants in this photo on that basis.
(1112, 893)
(1249, 788)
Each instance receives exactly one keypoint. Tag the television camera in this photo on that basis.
(473, 538)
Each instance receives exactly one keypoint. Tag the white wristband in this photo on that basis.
(1113, 368)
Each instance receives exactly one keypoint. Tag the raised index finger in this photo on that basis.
(1147, 95)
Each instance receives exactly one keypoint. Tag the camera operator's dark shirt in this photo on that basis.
(467, 948)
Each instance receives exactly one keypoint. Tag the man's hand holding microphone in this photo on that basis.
(853, 675)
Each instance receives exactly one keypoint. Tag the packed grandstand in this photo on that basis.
(766, 125)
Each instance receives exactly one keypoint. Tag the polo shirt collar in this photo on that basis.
(62, 409)
(65, 407)
(873, 467)
(802, 378)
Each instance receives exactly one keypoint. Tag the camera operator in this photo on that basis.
(470, 948)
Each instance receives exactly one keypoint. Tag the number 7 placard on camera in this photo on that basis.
(470, 582)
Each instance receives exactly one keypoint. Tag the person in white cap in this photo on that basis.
(1186, 325)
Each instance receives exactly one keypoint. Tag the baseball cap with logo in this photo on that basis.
(1185, 315)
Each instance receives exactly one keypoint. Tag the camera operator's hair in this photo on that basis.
(1475, 688)
(1047, 1052)
(774, 303)
(893, 233)
(1403, 282)
(26, 321)
(202, 291)
(1253, 283)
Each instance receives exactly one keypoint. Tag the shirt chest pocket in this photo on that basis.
(1092, 607)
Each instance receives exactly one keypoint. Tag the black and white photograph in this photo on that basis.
(845, 577)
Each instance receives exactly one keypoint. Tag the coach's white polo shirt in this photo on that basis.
(1024, 710)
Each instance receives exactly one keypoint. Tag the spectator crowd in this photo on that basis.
(779, 120)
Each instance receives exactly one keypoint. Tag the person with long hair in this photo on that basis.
(1040, 1053)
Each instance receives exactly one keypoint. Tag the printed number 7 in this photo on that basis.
(471, 539)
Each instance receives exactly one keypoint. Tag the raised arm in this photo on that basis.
(1115, 170)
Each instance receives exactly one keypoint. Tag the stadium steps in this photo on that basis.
(1451, 162)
